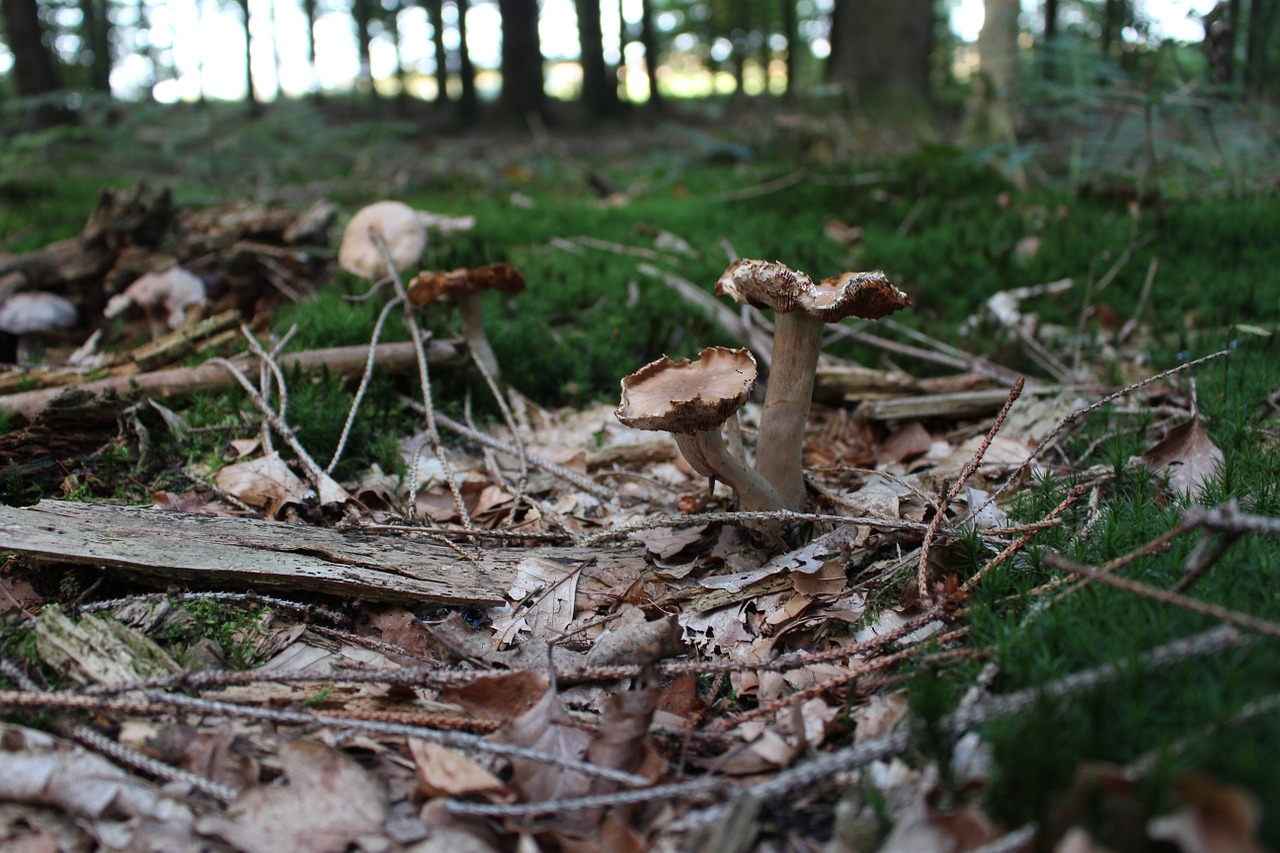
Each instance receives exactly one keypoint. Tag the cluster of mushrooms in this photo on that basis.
(692, 400)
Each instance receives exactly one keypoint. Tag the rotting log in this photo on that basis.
(163, 548)
(191, 380)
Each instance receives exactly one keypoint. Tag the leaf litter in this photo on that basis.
(628, 713)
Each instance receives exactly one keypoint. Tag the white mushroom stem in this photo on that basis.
(797, 343)
(473, 331)
(706, 454)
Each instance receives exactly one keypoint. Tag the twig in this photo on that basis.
(365, 378)
(424, 377)
(922, 570)
(1072, 417)
(768, 187)
(1173, 599)
(1073, 495)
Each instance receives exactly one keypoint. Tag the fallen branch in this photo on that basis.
(211, 376)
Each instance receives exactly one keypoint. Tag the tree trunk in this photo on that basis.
(1049, 48)
(650, 42)
(467, 105)
(522, 91)
(255, 106)
(791, 29)
(435, 16)
(880, 52)
(599, 93)
(1263, 18)
(310, 12)
(95, 35)
(362, 13)
(34, 72)
(990, 112)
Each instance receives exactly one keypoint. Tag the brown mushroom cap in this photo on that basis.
(685, 397)
(399, 225)
(762, 284)
(428, 285)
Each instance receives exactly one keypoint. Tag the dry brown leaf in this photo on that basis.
(446, 772)
(1217, 819)
(633, 639)
(827, 580)
(879, 716)
(908, 442)
(498, 697)
(329, 801)
(666, 542)
(222, 756)
(1188, 455)
(265, 482)
(543, 593)
(545, 727)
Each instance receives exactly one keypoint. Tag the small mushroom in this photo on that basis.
(400, 227)
(692, 400)
(174, 291)
(26, 316)
(802, 308)
(463, 287)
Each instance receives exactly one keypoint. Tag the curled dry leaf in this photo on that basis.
(447, 772)
(328, 803)
(266, 482)
(546, 727)
(1217, 818)
(1188, 455)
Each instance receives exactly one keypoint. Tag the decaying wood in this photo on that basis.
(852, 382)
(189, 380)
(960, 404)
(166, 548)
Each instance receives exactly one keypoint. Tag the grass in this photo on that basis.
(945, 227)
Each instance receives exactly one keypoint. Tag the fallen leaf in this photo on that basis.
(546, 728)
(1188, 455)
(265, 482)
(1217, 819)
(544, 592)
(447, 772)
(328, 803)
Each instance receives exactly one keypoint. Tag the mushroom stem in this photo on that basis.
(473, 331)
(797, 343)
(706, 454)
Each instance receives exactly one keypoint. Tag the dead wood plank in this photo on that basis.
(164, 547)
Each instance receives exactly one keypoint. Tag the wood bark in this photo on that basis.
(34, 72)
(599, 92)
(191, 380)
(880, 51)
(164, 548)
(522, 92)
(468, 105)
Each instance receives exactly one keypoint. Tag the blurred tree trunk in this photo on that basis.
(255, 106)
(362, 12)
(990, 112)
(791, 30)
(1260, 41)
(34, 71)
(310, 12)
(1116, 15)
(467, 105)
(522, 92)
(650, 43)
(1049, 49)
(95, 34)
(435, 17)
(392, 20)
(880, 52)
(599, 93)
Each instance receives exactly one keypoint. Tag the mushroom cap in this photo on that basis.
(686, 397)
(762, 284)
(399, 225)
(35, 311)
(428, 285)
(175, 290)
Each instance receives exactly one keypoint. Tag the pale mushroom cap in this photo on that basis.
(685, 397)
(399, 225)
(25, 313)
(430, 285)
(175, 290)
(868, 295)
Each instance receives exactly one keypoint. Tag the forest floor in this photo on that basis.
(267, 590)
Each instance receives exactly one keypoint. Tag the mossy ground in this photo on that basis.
(945, 227)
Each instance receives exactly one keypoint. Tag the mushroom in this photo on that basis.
(400, 227)
(24, 316)
(463, 286)
(174, 290)
(692, 400)
(802, 308)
